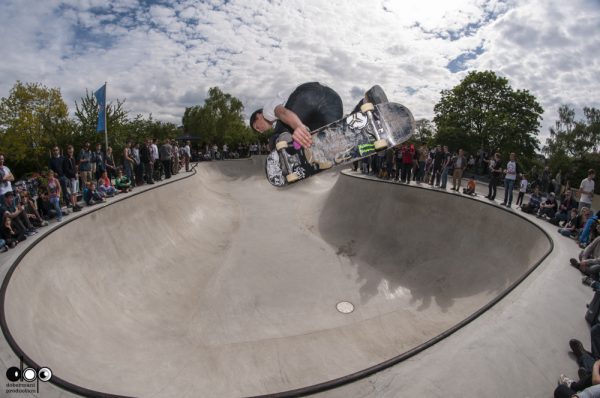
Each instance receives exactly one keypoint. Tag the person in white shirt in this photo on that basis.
(586, 190)
(187, 154)
(6, 177)
(522, 190)
(510, 176)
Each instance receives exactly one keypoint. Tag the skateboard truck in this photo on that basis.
(379, 143)
(281, 147)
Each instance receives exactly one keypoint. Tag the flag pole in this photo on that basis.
(105, 125)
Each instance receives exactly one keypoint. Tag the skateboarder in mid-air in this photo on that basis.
(309, 107)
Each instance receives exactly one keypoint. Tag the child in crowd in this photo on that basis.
(122, 183)
(471, 185)
(91, 196)
(105, 185)
(570, 229)
(522, 190)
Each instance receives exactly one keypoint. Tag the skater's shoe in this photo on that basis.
(376, 95)
(565, 381)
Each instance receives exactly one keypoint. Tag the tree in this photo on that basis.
(32, 119)
(571, 137)
(86, 115)
(425, 131)
(573, 144)
(483, 111)
(219, 120)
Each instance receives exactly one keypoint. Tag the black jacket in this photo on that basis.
(69, 167)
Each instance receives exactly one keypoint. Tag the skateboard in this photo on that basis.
(358, 135)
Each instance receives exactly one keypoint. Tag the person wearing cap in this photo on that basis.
(306, 108)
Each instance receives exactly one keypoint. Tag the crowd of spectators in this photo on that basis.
(86, 179)
(214, 152)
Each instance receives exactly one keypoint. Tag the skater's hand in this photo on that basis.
(302, 136)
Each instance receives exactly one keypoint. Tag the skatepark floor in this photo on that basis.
(220, 285)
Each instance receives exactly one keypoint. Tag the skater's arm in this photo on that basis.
(301, 134)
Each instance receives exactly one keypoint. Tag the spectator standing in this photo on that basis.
(187, 155)
(70, 170)
(6, 177)
(408, 153)
(111, 167)
(56, 165)
(128, 161)
(423, 154)
(495, 173)
(511, 171)
(154, 154)
(165, 153)
(99, 161)
(175, 158)
(446, 164)
(586, 190)
(85, 165)
(146, 159)
(545, 179)
(522, 190)
(460, 164)
(438, 159)
(225, 151)
(139, 169)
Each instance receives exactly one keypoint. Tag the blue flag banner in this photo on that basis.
(100, 95)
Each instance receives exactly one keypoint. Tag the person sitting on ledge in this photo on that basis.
(470, 189)
(122, 183)
(105, 185)
(548, 208)
(534, 202)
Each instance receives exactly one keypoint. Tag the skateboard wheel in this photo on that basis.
(380, 144)
(325, 165)
(281, 145)
(366, 107)
(292, 177)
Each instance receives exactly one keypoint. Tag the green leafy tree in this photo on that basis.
(425, 131)
(484, 111)
(573, 144)
(86, 116)
(219, 120)
(32, 118)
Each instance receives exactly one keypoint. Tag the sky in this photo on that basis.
(163, 56)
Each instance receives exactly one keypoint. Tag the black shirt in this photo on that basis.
(56, 165)
(69, 167)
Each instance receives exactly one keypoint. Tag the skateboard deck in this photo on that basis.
(355, 136)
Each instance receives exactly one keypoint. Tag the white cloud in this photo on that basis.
(165, 56)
